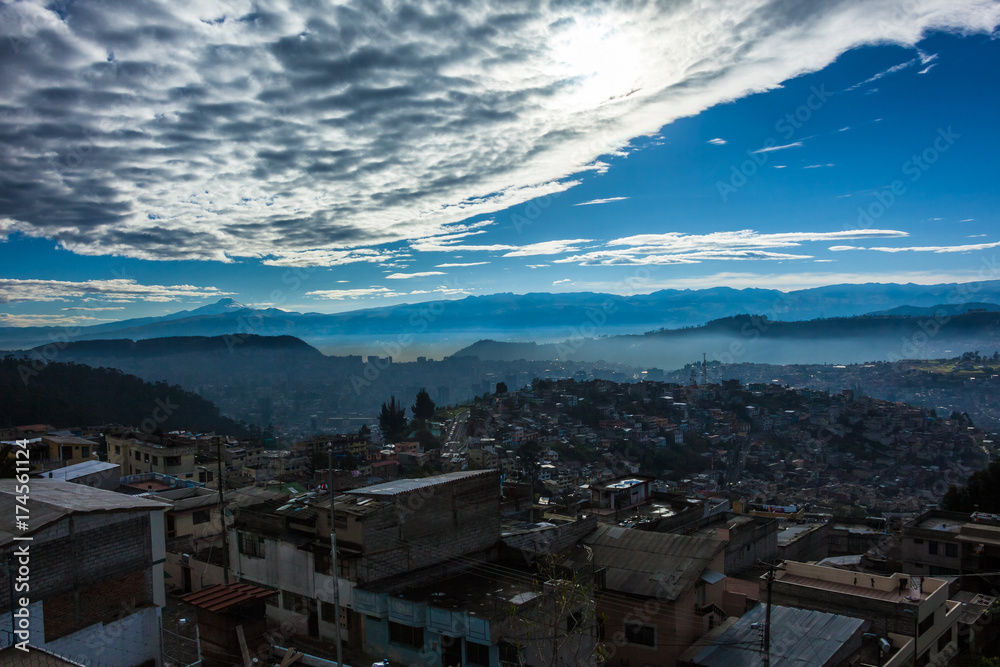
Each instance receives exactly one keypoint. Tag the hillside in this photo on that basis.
(73, 394)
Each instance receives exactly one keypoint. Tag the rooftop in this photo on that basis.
(489, 592)
(798, 637)
(79, 470)
(396, 487)
(222, 598)
(51, 500)
(647, 564)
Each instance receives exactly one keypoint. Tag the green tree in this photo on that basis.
(501, 388)
(423, 409)
(392, 421)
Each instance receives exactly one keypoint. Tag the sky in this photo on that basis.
(158, 156)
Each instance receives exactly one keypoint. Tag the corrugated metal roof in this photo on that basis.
(799, 638)
(79, 470)
(399, 486)
(50, 500)
(222, 598)
(641, 562)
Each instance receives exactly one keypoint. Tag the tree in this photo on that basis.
(423, 409)
(501, 388)
(979, 494)
(392, 421)
(558, 625)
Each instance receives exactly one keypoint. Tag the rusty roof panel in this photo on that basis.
(221, 598)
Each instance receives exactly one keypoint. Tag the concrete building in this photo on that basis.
(137, 456)
(947, 543)
(660, 592)
(899, 607)
(385, 534)
(94, 573)
(621, 493)
(98, 474)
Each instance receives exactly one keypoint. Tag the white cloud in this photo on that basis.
(331, 257)
(677, 248)
(359, 293)
(458, 265)
(608, 200)
(560, 282)
(717, 142)
(418, 274)
(818, 166)
(771, 149)
(842, 248)
(884, 73)
(225, 129)
(13, 320)
(547, 248)
(118, 290)
(93, 310)
(537, 266)
(942, 249)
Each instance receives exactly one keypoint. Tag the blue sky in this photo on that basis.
(156, 159)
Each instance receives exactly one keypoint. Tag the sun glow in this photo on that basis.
(602, 61)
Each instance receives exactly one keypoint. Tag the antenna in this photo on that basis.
(704, 369)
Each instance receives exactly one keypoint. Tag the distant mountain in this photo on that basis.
(527, 316)
(930, 311)
(756, 339)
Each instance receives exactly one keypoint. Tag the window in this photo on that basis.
(509, 653)
(172, 461)
(322, 563)
(573, 621)
(156, 460)
(477, 654)
(251, 545)
(145, 457)
(205, 476)
(926, 625)
(138, 456)
(699, 593)
(294, 602)
(642, 635)
(84, 452)
(329, 612)
(932, 547)
(118, 449)
(201, 516)
(406, 635)
(951, 550)
(918, 541)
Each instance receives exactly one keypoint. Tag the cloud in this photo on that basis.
(359, 293)
(13, 320)
(886, 72)
(942, 249)
(228, 129)
(717, 142)
(458, 265)
(537, 266)
(93, 310)
(677, 248)
(771, 149)
(547, 248)
(119, 290)
(560, 282)
(818, 166)
(842, 248)
(418, 274)
(332, 257)
(601, 201)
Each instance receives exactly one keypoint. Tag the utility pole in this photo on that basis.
(222, 516)
(333, 555)
(767, 618)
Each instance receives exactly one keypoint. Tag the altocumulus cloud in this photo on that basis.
(120, 290)
(293, 133)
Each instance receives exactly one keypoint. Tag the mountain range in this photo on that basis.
(449, 325)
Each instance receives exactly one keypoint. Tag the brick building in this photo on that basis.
(94, 569)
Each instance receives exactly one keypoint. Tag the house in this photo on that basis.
(385, 533)
(138, 455)
(95, 563)
(940, 543)
(98, 474)
(904, 610)
(797, 636)
(621, 493)
(671, 587)
(70, 449)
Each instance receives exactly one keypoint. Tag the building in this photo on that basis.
(67, 450)
(660, 592)
(136, 456)
(621, 493)
(95, 568)
(899, 607)
(940, 543)
(385, 534)
(798, 637)
(98, 474)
